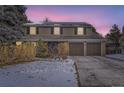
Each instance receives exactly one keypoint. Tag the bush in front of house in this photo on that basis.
(13, 54)
(63, 50)
(41, 49)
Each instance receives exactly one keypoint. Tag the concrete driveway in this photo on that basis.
(99, 71)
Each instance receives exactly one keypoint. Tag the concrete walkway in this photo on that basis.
(99, 71)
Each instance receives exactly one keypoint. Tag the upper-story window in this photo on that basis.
(33, 31)
(56, 31)
(80, 31)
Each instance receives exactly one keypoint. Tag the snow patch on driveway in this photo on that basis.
(39, 74)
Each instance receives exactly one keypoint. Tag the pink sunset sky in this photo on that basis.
(101, 17)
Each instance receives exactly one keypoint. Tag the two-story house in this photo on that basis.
(81, 37)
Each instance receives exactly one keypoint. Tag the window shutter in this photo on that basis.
(61, 30)
(28, 30)
(37, 30)
(75, 30)
(84, 31)
(52, 30)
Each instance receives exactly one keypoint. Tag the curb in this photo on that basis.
(77, 72)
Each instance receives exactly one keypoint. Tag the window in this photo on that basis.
(18, 43)
(80, 31)
(56, 31)
(33, 30)
(34, 43)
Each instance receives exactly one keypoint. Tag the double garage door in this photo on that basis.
(77, 49)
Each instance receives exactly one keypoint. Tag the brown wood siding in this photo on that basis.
(44, 30)
(76, 49)
(68, 31)
(89, 31)
(93, 49)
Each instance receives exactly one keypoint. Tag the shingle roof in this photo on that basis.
(59, 23)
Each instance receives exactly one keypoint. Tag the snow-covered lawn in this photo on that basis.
(116, 56)
(39, 74)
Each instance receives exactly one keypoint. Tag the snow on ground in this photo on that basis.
(116, 56)
(39, 74)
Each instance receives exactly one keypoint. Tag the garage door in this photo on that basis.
(76, 49)
(93, 49)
